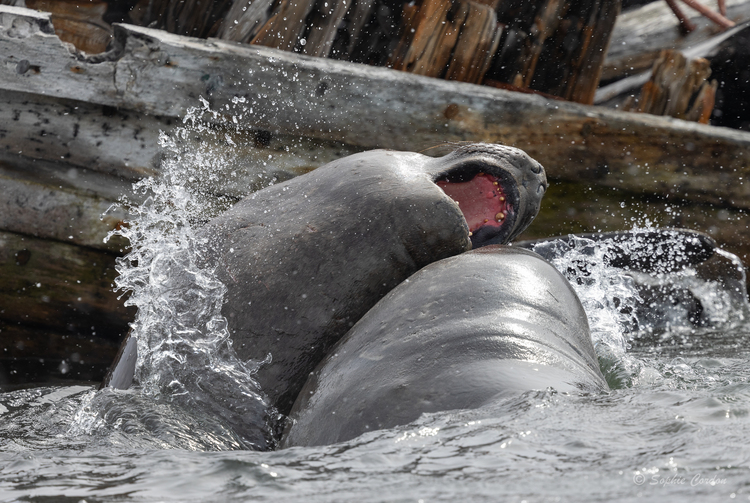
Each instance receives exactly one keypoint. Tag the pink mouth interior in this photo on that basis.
(481, 199)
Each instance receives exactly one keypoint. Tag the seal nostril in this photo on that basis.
(536, 167)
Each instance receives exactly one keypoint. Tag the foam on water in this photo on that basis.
(625, 306)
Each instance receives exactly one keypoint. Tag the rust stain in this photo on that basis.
(451, 111)
(77, 69)
(121, 224)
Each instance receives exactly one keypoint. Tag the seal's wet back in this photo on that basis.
(459, 334)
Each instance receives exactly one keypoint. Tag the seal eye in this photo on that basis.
(482, 200)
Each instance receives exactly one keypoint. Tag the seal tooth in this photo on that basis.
(500, 216)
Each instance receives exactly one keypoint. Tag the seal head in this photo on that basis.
(499, 189)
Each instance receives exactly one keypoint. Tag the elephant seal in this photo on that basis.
(456, 335)
(305, 259)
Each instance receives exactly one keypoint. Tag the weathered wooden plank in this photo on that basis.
(195, 18)
(42, 355)
(678, 87)
(428, 37)
(72, 204)
(60, 175)
(595, 36)
(610, 93)
(555, 47)
(54, 213)
(245, 19)
(639, 35)
(356, 19)
(91, 136)
(163, 74)
(322, 26)
(75, 136)
(286, 25)
(476, 46)
(63, 287)
(78, 23)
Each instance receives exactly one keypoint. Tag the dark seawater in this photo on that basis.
(674, 428)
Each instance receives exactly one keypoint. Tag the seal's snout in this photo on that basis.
(499, 189)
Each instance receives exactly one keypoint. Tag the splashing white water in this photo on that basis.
(185, 354)
(624, 305)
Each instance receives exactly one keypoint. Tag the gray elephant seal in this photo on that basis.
(456, 335)
(305, 259)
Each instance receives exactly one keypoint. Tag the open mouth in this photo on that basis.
(482, 201)
(485, 204)
(498, 189)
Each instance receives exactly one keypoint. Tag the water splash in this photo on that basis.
(185, 354)
(626, 306)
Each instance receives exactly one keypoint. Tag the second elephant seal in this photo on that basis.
(459, 334)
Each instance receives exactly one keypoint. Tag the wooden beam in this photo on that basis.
(52, 212)
(42, 355)
(92, 136)
(366, 107)
(62, 287)
(80, 136)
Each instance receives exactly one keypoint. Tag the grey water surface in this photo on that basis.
(680, 432)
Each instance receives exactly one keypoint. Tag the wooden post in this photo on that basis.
(78, 23)
(194, 18)
(477, 45)
(679, 88)
(453, 39)
(561, 52)
(245, 19)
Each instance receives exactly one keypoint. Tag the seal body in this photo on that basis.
(458, 334)
(305, 259)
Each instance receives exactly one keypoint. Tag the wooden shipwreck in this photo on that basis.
(76, 130)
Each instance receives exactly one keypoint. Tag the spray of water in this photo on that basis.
(625, 305)
(185, 354)
(186, 363)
